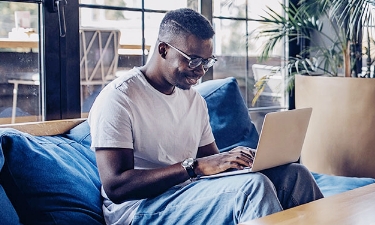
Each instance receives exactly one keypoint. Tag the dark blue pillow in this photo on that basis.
(51, 179)
(229, 116)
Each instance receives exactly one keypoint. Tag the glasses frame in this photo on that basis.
(204, 62)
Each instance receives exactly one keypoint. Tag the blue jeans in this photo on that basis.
(231, 199)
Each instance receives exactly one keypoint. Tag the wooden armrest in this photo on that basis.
(53, 127)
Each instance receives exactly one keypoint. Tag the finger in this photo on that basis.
(244, 159)
(238, 148)
(241, 164)
(245, 149)
(246, 152)
(251, 151)
(239, 157)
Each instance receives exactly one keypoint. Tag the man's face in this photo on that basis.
(183, 71)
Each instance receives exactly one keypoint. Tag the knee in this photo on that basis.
(300, 176)
(300, 171)
(260, 183)
(304, 180)
(294, 169)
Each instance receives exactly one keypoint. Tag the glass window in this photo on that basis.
(19, 64)
(238, 53)
(165, 4)
(39, 72)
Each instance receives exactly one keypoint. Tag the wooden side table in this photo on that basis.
(352, 207)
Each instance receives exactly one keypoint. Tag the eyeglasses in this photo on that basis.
(195, 62)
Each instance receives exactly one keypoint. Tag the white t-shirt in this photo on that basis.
(161, 129)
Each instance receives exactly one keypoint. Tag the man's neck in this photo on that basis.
(156, 82)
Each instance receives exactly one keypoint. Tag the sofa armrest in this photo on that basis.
(42, 128)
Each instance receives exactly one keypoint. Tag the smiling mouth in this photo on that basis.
(192, 80)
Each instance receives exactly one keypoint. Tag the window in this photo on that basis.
(19, 64)
(38, 72)
(238, 52)
(66, 89)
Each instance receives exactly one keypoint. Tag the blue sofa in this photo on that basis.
(53, 179)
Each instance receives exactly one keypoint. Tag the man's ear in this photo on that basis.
(162, 48)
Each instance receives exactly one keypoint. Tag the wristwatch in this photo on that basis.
(188, 165)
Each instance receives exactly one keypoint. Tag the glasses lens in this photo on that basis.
(209, 62)
(193, 63)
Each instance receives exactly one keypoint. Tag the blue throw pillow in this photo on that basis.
(229, 116)
(331, 185)
(51, 179)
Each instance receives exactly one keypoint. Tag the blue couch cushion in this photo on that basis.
(331, 185)
(229, 116)
(81, 134)
(51, 179)
(8, 214)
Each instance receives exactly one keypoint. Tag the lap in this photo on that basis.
(201, 189)
(225, 200)
(212, 200)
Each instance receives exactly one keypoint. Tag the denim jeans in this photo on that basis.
(231, 199)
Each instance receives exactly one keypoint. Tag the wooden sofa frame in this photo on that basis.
(351, 207)
(53, 127)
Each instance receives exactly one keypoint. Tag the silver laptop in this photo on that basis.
(280, 141)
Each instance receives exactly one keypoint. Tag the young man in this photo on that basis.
(152, 137)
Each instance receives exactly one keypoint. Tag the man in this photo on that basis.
(152, 137)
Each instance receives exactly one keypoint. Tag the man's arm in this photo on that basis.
(122, 182)
(207, 150)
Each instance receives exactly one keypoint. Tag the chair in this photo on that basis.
(98, 63)
(23, 79)
(99, 55)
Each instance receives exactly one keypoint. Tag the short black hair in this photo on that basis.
(185, 21)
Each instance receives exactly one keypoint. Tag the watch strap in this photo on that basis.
(190, 171)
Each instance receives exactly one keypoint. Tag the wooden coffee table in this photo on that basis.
(355, 207)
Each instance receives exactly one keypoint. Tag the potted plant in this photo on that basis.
(347, 21)
(342, 99)
(320, 47)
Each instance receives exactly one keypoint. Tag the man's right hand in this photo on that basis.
(237, 158)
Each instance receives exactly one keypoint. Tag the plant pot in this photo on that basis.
(340, 139)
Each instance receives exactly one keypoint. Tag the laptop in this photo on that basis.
(280, 141)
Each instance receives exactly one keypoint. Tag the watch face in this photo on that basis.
(188, 165)
(188, 162)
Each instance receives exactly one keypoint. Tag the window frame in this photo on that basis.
(59, 89)
(60, 79)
